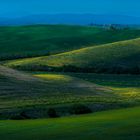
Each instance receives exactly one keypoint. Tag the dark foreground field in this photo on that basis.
(110, 125)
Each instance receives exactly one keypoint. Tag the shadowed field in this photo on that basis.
(20, 91)
(110, 125)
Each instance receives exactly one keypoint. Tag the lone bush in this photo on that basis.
(80, 109)
(21, 116)
(52, 113)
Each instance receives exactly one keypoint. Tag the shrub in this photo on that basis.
(21, 116)
(52, 113)
(80, 109)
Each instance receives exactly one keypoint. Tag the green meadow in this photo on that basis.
(109, 125)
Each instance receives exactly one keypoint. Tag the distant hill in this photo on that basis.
(70, 19)
(40, 40)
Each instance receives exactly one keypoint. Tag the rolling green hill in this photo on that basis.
(42, 83)
(118, 57)
(20, 91)
(30, 41)
(36, 93)
(110, 125)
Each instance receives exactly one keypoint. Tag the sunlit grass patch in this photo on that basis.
(129, 92)
(54, 77)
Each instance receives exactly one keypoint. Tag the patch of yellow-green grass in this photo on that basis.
(54, 77)
(133, 92)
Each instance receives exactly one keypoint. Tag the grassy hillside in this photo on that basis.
(35, 94)
(115, 80)
(118, 57)
(29, 41)
(45, 83)
(110, 125)
(125, 85)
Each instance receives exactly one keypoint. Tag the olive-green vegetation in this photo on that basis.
(109, 125)
(38, 40)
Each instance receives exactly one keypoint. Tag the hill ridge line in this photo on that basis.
(96, 46)
(77, 50)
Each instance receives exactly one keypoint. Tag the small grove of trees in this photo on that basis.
(75, 109)
(21, 116)
(113, 27)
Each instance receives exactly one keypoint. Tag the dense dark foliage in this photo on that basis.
(97, 69)
(52, 113)
(80, 109)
